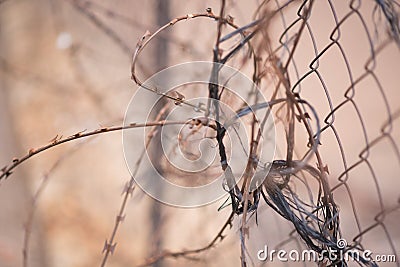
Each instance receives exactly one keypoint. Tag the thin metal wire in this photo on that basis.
(315, 220)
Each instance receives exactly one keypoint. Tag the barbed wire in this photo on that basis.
(283, 66)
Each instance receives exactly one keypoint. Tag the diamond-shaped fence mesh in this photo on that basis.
(326, 72)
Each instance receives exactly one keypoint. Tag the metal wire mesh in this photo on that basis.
(329, 70)
(356, 115)
(323, 59)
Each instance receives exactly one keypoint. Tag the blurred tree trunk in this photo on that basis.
(156, 152)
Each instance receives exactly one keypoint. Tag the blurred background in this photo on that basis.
(65, 67)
